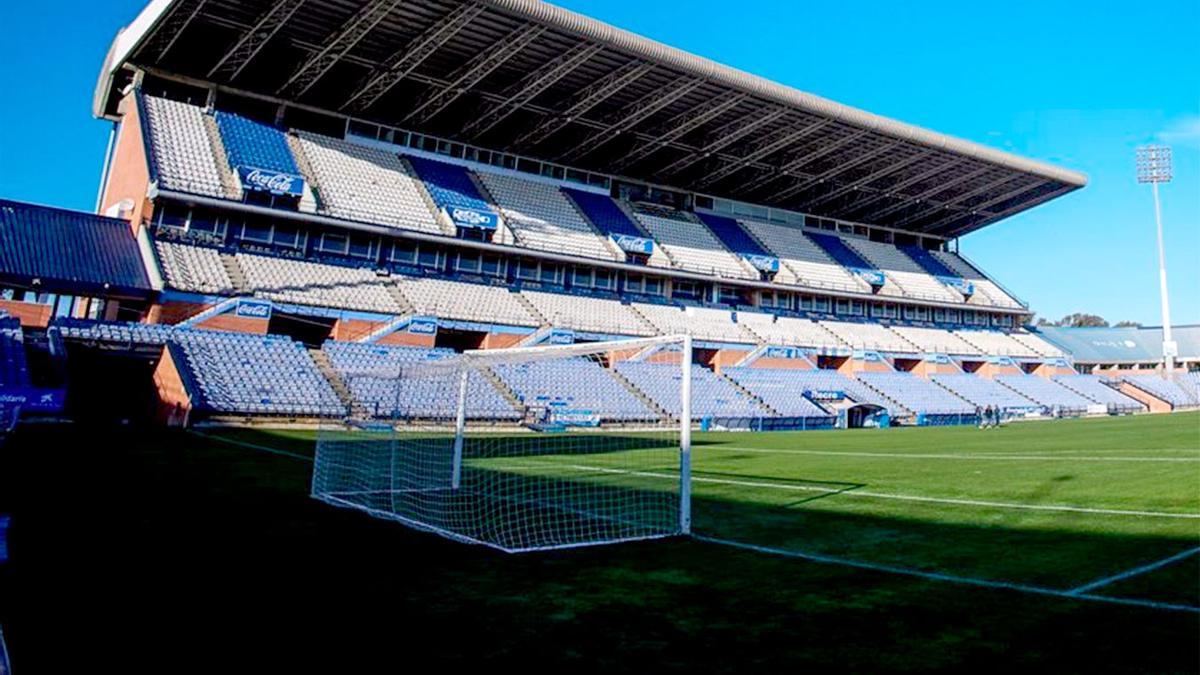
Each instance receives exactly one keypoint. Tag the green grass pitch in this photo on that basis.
(921, 550)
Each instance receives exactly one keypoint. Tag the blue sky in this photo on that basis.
(1077, 84)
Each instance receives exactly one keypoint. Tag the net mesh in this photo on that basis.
(522, 449)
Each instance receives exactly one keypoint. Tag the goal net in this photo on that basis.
(519, 449)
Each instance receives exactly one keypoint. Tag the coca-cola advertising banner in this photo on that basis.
(275, 182)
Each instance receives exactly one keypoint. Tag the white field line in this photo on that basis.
(902, 455)
(1149, 567)
(886, 495)
(254, 446)
(952, 578)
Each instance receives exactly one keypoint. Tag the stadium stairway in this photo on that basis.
(609, 244)
(393, 291)
(892, 403)
(321, 359)
(236, 275)
(640, 395)
(632, 216)
(228, 181)
(533, 311)
(510, 396)
(772, 412)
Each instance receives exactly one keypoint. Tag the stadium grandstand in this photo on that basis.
(295, 194)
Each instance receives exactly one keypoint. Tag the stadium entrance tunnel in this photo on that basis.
(866, 416)
(311, 331)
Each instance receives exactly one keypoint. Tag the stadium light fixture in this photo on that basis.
(1154, 167)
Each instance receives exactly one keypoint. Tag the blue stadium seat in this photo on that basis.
(917, 395)
(448, 184)
(733, 236)
(605, 214)
(254, 144)
(574, 385)
(712, 395)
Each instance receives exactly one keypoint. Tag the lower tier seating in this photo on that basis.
(403, 390)
(980, 391)
(783, 389)
(575, 385)
(712, 395)
(916, 394)
(1094, 388)
(310, 283)
(1165, 389)
(1044, 391)
(253, 374)
(14, 366)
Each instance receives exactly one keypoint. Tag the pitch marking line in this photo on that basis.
(952, 578)
(1150, 567)
(254, 446)
(909, 498)
(901, 455)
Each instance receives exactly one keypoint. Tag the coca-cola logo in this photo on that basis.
(271, 181)
(473, 218)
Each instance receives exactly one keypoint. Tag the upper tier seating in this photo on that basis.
(928, 262)
(575, 384)
(193, 268)
(1037, 344)
(692, 247)
(366, 184)
(542, 218)
(783, 389)
(937, 340)
(14, 365)
(254, 144)
(403, 390)
(466, 302)
(1094, 388)
(254, 374)
(786, 330)
(587, 314)
(849, 257)
(983, 392)
(730, 232)
(1165, 389)
(604, 213)
(119, 332)
(986, 290)
(449, 184)
(309, 283)
(700, 322)
(900, 268)
(1044, 391)
(916, 394)
(808, 263)
(869, 336)
(712, 395)
(996, 343)
(183, 153)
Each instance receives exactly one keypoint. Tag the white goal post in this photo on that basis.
(521, 449)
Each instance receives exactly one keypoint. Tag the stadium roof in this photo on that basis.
(60, 251)
(1122, 345)
(534, 79)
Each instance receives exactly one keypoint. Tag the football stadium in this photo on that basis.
(424, 332)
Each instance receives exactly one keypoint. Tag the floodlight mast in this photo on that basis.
(1154, 167)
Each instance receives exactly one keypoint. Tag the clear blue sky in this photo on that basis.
(1077, 84)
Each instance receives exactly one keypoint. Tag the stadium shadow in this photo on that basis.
(215, 551)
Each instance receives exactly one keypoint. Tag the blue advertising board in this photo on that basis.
(763, 263)
(253, 309)
(472, 218)
(34, 399)
(561, 336)
(423, 325)
(873, 277)
(632, 244)
(961, 285)
(275, 182)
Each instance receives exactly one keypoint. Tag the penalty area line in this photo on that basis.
(981, 456)
(951, 578)
(1142, 569)
(254, 446)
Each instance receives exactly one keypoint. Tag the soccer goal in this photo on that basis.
(520, 449)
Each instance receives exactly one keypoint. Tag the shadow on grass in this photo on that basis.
(155, 548)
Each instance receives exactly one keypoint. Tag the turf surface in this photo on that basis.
(150, 551)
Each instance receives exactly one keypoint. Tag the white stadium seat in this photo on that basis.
(541, 217)
(183, 151)
(809, 264)
(903, 270)
(692, 247)
(479, 303)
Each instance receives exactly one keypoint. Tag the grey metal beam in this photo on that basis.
(252, 41)
(679, 126)
(911, 200)
(829, 174)
(766, 148)
(953, 204)
(403, 62)
(339, 43)
(892, 190)
(582, 101)
(724, 137)
(472, 72)
(792, 166)
(865, 181)
(1000, 215)
(631, 115)
(165, 36)
(530, 86)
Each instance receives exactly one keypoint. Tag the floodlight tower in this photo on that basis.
(1154, 167)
